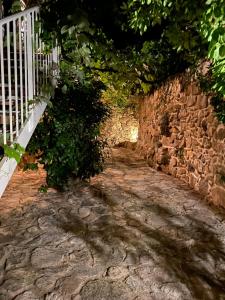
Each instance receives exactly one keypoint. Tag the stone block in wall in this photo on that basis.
(206, 142)
(173, 162)
(203, 186)
(195, 90)
(217, 146)
(206, 168)
(188, 141)
(191, 100)
(199, 166)
(173, 172)
(181, 171)
(195, 143)
(211, 118)
(184, 178)
(219, 171)
(220, 133)
(210, 153)
(183, 114)
(174, 129)
(188, 153)
(193, 180)
(188, 90)
(218, 195)
(211, 131)
(182, 142)
(190, 167)
(204, 125)
(165, 141)
(202, 101)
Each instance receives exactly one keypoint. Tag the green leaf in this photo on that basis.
(215, 35)
(14, 151)
(64, 89)
(64, 29)
(222, 51)
(43, 189)
(217, 12)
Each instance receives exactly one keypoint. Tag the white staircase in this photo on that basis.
(25, 71)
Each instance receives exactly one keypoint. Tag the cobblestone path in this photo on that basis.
(134, 233)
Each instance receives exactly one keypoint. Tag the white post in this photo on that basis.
(30, 57)
(3, 83)
(8, 36)
(16, 77)
(55, 55)
(21, 58)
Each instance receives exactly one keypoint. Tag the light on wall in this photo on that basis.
(134, 134)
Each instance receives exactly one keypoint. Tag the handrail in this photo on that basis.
(18, 15)
(24, 69)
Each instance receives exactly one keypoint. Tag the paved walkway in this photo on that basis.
(134, 233)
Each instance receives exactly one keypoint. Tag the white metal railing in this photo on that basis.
(25, 69)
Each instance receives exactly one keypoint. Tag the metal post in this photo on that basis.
(30, 58)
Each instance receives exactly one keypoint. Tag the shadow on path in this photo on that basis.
(133, 233)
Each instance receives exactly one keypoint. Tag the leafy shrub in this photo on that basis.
(67, 137)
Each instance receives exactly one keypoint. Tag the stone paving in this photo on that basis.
(132, 233)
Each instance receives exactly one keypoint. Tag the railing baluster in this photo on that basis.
(25, 70)
(29, 45)
(25, 66)
(21, 70)
(33, 41)
(38, 52)
(2, 30)
(36, 58)
(16, 77)
(41, 67)
(46, 69)
(8, 36)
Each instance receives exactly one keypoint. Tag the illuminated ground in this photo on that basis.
(134, 233)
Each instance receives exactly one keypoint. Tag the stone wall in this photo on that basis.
(121, 127)
(180, 135)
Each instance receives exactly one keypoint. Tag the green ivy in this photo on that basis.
(12, 151)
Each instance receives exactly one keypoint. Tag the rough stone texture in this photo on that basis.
(132, 233)
(121, 127)
(180, 135)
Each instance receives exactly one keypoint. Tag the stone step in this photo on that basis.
(7, 118)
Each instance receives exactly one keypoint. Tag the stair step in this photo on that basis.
(7, 105)
(7, 132)
(7, 119)
(7, 112)
(13, 98)
(7, 85)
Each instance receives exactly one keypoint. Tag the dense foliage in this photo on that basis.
(66, 140)
(97, 35)
(131, 47)
(194, 28)
(135, 45)
(178, 22)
